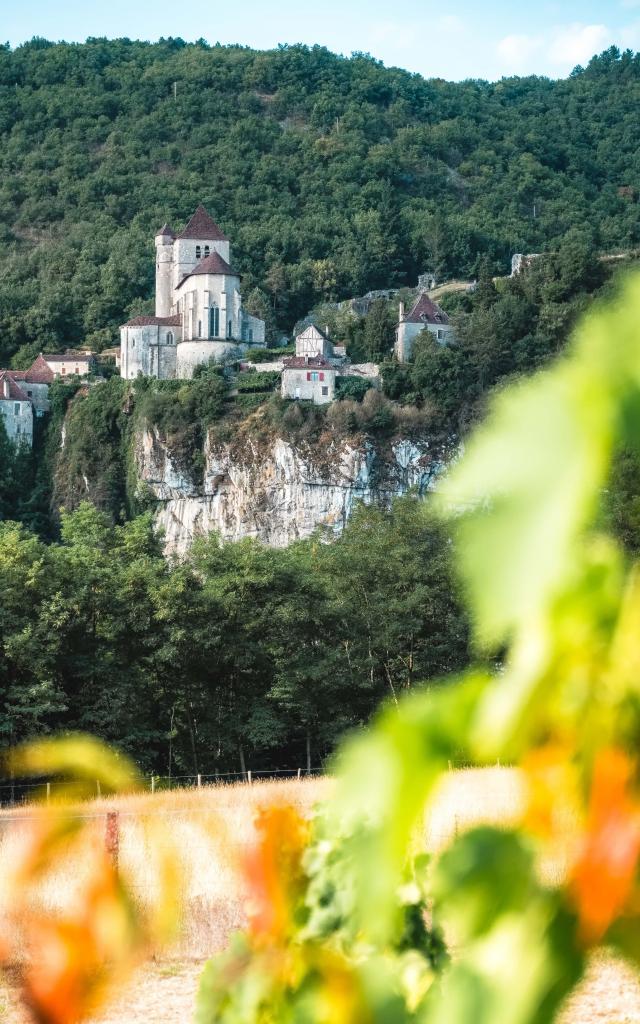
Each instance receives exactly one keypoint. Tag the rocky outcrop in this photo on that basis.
(276, 493)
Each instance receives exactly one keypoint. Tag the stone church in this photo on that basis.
(199, 313)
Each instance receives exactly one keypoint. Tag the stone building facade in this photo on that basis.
(425, 315)
(199, 314)
(309, 378)
(16, 410)
(70, 363)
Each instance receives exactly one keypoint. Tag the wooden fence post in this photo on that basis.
(299, 772)
(199, 781)
(112, 837)
(249, 777)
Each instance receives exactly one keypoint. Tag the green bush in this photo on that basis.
(352, 387)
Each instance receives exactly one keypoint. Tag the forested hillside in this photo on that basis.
(332, 176)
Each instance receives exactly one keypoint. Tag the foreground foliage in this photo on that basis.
(559, 596)
(74, 954)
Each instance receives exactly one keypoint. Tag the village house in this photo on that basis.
(16, 410)
(70, 363)
(425, 315)
(309, 378)
(199, 316)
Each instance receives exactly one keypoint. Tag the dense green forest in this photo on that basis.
(332, 176)
(241, 654)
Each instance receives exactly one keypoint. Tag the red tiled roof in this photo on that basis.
(316, 362)
(203, 228)
(426, 311)
(154, 321)
(213, 264)
(39, 372)
(166, 232)
(15, 391)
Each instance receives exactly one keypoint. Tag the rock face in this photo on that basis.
(279, 494)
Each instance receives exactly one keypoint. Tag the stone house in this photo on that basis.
(425, 315)
(16, 410)
(199, 314)
(70, 363)
(309, 378)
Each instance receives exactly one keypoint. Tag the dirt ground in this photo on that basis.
(165, 994)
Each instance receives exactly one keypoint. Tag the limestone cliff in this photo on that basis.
(274, 490)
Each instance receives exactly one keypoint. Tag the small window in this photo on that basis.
(229, 330)
(315, 376)
(206, 251)
(16, 408)
(29, 394)
(133, 343)
(440, 334)
(199, 328)
(63, 371)
(170, 338)
(77, 370)
(251, 334)
(325, 392)
(198, 252)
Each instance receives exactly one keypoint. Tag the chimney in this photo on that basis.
(400, 311)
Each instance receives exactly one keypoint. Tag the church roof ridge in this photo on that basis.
(203, 228)
(212, 264)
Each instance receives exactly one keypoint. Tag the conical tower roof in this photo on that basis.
(165, 232)
(203, 228)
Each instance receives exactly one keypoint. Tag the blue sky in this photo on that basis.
(460, 39)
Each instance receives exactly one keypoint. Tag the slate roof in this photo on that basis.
(426, 311)
(214, 265)
(317, 362)
(39, 372)
(16, 394)
(68, 356)
(166, 232)
(154, 321)
(203, 228)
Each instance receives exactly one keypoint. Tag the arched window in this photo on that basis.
(170, 338)
(206, 251)
(214, 322)
(229, 330)
(198, 252)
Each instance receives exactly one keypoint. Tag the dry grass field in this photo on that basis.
(209, 828)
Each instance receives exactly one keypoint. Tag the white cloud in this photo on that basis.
(516, 51)
(575, 44)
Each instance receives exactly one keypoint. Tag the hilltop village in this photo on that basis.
(199, 319)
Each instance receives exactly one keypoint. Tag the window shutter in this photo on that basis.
(322, 376)
(308, 376)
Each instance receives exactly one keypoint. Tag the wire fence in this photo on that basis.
(17, 793)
